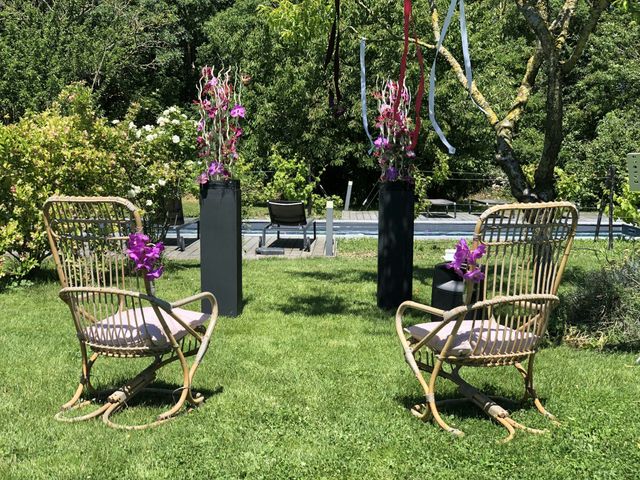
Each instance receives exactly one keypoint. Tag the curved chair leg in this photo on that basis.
(85, 385)
(527, 376)
(430, 393)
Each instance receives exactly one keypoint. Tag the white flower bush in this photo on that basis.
(165, 167)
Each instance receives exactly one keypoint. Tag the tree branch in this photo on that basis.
(526, 86)
(562, 21)
(585, 33)
(457, 69)
(535, 16)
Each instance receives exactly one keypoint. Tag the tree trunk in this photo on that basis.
(506, 160)
(553, 135)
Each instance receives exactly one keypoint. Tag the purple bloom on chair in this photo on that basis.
(476, 275)
(477, 253)
(145, 255)
(465, 261)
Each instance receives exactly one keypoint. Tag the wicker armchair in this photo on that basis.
(115, 311)
(505, 317)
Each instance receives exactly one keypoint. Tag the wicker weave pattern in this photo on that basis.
(527, 247)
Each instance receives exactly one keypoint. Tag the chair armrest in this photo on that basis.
(527, 301)
(194, 298)
(419, 306)
(408, 349)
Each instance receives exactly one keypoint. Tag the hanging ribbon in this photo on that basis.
(467, 68)
(333, 52)
(363, 93)
(419, 95)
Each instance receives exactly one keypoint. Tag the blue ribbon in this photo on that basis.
(363, 94)
(467, 67)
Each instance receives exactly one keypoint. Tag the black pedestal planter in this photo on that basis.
(447, 291)
(395, 244)
(221, 245)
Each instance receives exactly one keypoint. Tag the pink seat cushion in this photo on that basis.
(141, 327)
(488, 337)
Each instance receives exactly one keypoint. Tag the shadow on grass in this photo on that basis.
(153, 398)
(467, 409)
(321, 305)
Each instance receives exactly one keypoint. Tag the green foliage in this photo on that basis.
(293, 180)
(627, 205)
(70, 149)
(602, 309)
(126, 50)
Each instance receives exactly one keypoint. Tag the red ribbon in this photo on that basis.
(403, 72)
(419, 95)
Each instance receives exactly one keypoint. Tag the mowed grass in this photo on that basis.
(309, 382)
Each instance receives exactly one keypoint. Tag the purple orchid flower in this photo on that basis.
(476, 275)
(145, 255)
(381, 142)
(476, 254)
(238, 111)
(459, 257)
(155, 274)
(216, 168)
(465, 261)
(391, 174)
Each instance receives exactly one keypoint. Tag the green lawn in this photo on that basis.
(308, 382)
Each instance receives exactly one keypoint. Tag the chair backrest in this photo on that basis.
(527, 246)
(88, 238)
(287, 212)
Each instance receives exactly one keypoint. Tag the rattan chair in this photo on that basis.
(505, 317)
(115, 311)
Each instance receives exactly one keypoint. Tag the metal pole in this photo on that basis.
(347, 200)
(328, 245)
(612, 179)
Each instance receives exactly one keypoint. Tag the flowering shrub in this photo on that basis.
(70, 150)
(392, 148)
(465, 261)
(66, 149)
(145, 255)
(219, 127)
(160, 160)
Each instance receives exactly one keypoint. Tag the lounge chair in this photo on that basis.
(485, 203)
(115, 311)
(286, 215)
(527, 246)
(441, 202)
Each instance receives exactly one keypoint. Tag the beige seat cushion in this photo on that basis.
(488, 336)
(141, 327)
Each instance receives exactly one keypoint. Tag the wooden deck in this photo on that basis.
(364, 223)
(291, 247)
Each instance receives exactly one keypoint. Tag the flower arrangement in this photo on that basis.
(145, 255)
(221, 111)
(465, 261)
(392, 148)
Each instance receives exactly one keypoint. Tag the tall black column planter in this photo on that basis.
(395, 244)
(221, 245)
